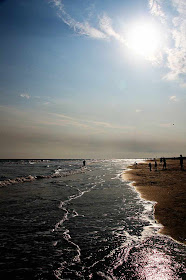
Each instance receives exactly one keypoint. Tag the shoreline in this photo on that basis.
(167, 189)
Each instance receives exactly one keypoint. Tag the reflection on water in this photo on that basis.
(155, 265)
(154, 260)
(84, 226)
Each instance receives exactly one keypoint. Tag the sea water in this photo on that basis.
(71, 222)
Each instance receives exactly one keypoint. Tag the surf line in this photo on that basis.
(63, 204)
(66, 233)
(31, 178)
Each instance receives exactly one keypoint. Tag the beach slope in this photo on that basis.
(168, 189)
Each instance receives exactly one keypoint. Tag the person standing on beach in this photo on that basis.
(181, 162)
(150, 166)
(155, 165)
(84, 162)
(164, 163)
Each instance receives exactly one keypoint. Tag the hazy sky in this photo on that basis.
(92, 78)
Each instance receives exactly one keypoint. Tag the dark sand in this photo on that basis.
(168, 189)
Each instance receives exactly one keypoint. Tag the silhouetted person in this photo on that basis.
(164, 163)
(155, 165)
(181, 162)
(84, 162)
(150, 166)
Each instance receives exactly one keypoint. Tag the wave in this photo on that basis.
(57, 174)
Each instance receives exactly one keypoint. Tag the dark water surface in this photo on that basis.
(88, 225)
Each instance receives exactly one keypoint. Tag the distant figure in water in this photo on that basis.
(181, 162)
(164, 163)
(155, 165)
(84, 162)
(150, 166)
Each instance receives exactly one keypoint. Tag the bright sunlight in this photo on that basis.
(144, 39)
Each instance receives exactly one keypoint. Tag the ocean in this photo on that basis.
(60, 220)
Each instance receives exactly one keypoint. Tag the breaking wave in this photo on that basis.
(57, 174)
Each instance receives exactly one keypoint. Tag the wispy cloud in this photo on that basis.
(104, 30)
(83, 28)
(176, 55)
(105, 24)
(156, 9)
(90, 124)
(25, 95)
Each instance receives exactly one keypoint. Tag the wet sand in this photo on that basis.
(168, 189)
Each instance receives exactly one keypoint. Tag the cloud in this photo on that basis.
(25, 95)
(176, 62)
(82, 28)
(156, 10)
(173, 98)
(139, 110)
(87, 124)
(175, 55)
(86, 29)
(105, 30)
(105, 24)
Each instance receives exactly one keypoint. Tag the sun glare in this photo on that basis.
(144, 39)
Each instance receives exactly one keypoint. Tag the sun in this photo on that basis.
(144, 39)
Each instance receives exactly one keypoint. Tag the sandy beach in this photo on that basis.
(168, 189)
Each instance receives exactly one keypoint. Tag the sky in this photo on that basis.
(92, 79)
